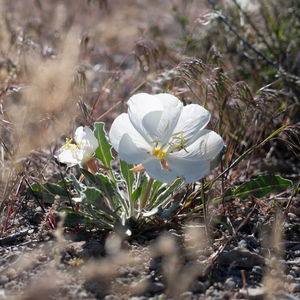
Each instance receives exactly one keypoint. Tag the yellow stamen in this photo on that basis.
(178, 142)
(69, 145)
(158, 153)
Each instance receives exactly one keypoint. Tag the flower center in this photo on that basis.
(177, 143)
(159, 153)
(69, 145)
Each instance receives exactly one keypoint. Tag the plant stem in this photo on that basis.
(147, 193)
(204, 206)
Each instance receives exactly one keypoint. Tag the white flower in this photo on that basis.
(80, 152)
(77, 199)
(169, 140)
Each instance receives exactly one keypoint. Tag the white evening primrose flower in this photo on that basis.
(167, 138)
(81, 151)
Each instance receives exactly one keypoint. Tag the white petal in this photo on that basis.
(195, 162)
(130, 152)
(155, 170)
(206, 147)
(139, 106)
(151, 123)
(154, 116)
(189, 169)
(69, 157)
(121, 126)
(77, 199)
(85, 139)
(172, 108)
(192, 119)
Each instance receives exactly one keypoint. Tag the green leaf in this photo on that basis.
(95, 197)
(143, 185)
(73, 219)
(156, 189)
(127, 175)
(102, 183)
(103, 152)
(225, 221)
(168, 192)
(55, 189)
(137, 192)
(260, 187)
(108, 188)
(78, 186)
(48, 191)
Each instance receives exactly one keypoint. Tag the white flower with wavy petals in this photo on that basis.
(167, 138)
(80, 152)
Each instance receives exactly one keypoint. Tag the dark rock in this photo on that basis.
(252, 242)
(76, 249)
(155, 287)
(155, 263)
(14, 238)
(94, 248)
(240, 258)
(37, 218)
(198, 287)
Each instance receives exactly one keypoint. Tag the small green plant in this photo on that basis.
(162, 146)
(114, 199)
(159, 136)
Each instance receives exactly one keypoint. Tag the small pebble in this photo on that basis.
(186, 296)
(297, 253)
(10, 273)
(295, 287)
(289, 278)
(292, 216)
(198, 287)
(292, 273)
(3, 279)
(229, 284)
(10, 285)
(296, 270)
(257, 270)
(110, 297)
(242, 244)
